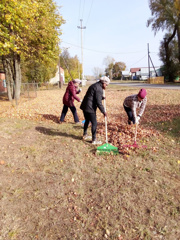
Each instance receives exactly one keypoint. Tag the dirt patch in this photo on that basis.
(53, 185)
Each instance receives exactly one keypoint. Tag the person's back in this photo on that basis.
(93, 98)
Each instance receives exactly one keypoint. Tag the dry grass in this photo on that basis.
(53, 185)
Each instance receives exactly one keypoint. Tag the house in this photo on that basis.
(3, 87)
(56, 78)
(142, 73)
(126, 75)
(134, 73)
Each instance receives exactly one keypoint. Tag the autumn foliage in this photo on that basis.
(162, 106)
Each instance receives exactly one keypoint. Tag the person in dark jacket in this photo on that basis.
(93, 100)
(68, 100)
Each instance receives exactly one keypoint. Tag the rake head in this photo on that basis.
(107, 149)
(135, 145)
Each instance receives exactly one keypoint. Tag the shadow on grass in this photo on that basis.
(51, 117)
(52, 132)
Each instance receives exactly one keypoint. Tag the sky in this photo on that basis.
(114, 29)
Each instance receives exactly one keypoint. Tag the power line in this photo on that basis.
(89, 12)
(93, 50)
(139, 60)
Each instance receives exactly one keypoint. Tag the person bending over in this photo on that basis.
(134, 102)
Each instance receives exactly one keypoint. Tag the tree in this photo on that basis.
(117, 69)
(71, 65)
(28, 29)
(169, 70)
(33, 70)
(98, 72)
(166, 15)
(109, 62)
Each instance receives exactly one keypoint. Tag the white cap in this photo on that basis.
(77, 80)
(105, 80)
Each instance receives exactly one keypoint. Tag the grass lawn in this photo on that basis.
(53, 185)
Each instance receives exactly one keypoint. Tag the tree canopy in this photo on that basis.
(118, 67)
(28, 28)
(71, 65)
(166, 16)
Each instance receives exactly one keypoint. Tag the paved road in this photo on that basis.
(146, 85)
(143, 85)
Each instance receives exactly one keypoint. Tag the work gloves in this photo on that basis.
(137, 119)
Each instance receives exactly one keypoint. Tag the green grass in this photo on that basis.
(54, 186)
(170, 128)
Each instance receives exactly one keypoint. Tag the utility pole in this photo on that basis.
(59, 65)
(148, 62)
(149, 59)
(81, 27)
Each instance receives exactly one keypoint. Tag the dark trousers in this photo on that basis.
(64, 112)
(90, 117)
(130, 114)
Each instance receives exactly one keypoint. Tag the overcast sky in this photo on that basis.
(115, 28)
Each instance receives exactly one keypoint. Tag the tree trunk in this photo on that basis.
(17, 76)
(11, 64)
(178, 36)
(168, 62)
(8, 75)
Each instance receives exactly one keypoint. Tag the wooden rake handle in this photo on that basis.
(135, 133)
(105, 116)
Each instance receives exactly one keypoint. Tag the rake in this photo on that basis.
(107, 148)
(135, 145)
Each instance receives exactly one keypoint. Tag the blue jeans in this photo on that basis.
(130, 114)
(90, 117)
(64, 112)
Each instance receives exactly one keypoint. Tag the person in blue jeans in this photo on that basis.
(132, 103)
(68, 100)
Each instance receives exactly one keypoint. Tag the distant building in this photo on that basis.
(56, 78)
(142, 73)
(126, 75)
(3, 87)
(134, 72)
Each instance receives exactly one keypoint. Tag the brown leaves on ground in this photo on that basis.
(162, 105)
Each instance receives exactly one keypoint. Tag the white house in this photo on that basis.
(126, 75)
(56, 78)
(142, 73)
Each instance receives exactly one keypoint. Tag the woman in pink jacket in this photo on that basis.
(68, 100)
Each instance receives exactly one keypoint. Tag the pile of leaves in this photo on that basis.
(162, 106)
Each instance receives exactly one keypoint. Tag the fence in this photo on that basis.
(29, 90)
(156, 80)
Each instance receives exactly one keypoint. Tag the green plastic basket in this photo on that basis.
(107, 149)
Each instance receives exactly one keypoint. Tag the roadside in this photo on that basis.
(143, 84)
(146, 85)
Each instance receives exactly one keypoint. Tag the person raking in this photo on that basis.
(91, 101)
(134, 102)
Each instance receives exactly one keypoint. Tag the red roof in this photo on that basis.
(133, 70)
